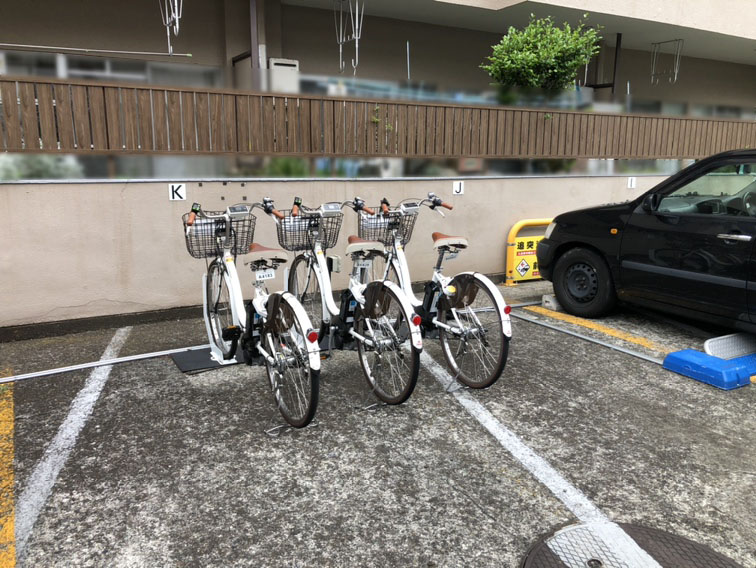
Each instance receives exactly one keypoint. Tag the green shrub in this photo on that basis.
(287, 167)
(39, 166)
(542, 55)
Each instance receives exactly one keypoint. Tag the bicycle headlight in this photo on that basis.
(549, 230)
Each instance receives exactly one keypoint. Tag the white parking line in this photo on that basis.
(617, 540)
(40, 483)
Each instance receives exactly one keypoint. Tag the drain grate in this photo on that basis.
(578, 546)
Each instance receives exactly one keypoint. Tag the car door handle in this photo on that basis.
(737, 237)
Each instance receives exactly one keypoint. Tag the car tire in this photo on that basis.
(583, 284)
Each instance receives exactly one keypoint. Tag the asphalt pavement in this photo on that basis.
(142, 465)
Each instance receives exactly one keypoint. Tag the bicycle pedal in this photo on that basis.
(231, 333)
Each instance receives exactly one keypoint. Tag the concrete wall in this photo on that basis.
(212, 31)
(449, 58)
(446, 57)
(700, 81)
(73, 250)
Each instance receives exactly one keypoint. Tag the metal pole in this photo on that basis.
(86, 50)
(591, 339)
(408, 64)
(104, 363)
(617, 49)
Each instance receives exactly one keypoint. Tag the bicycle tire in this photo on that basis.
(393, 350)
(307, 292)
(218, 310)
(294, 383)
(476, 356)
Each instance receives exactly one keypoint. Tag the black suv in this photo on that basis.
(685, 246)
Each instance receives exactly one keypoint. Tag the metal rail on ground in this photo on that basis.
(103, 363)
(129, 358)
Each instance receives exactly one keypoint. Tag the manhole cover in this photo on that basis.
(580, 546)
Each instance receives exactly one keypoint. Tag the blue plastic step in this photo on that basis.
(725, 374)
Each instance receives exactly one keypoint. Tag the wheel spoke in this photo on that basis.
(389, 362)
(476, 348)
(295, 386)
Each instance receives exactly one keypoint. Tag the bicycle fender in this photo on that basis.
(313, 350)
(506, 324)
(409, 311)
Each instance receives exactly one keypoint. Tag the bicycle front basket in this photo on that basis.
(380, 227)
(205, 237)
(301, 232)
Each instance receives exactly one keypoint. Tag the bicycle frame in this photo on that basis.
(231, 276)
(316, 259)
(395, 257)
(317, 256)
(259, 305)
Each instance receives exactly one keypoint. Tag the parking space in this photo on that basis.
(174, 469)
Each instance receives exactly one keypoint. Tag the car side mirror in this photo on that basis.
(650, 202)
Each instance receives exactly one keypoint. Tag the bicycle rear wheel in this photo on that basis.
(378, 269)
(475, 348)
(294, 383)
(389, 360)
(218, 310)
(303, 283)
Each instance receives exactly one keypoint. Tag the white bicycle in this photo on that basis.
(376, 316)
(466, 311)
(273, 328)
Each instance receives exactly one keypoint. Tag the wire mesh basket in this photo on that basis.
(301, 232)
(205, 237)
(380, 227)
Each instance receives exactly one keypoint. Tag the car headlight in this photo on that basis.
(549, 230)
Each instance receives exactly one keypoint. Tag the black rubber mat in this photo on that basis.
(199, 360)
(669, 550)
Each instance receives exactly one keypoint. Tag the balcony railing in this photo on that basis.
(67, 117)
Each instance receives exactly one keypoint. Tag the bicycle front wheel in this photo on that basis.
(389, 360)
(294, 383)
(303, 283)
(475, 348)
(218, 309)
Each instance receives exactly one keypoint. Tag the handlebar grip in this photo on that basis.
(278, 214)
(190, 220)
(294, 210)
(447, 205)
(368, 210)
(384, 208)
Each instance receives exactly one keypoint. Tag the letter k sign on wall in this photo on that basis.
(177, 191)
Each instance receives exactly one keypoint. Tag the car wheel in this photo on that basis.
(583, 283)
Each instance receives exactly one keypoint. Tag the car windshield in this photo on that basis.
(723, 181)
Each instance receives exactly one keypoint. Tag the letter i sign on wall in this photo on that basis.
(177, 191)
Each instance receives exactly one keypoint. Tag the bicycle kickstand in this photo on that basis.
(454, 385)
(279, 429)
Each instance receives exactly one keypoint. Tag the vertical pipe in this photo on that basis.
(617, 49)
(408, 64)
(254, 40)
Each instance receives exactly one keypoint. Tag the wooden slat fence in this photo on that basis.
(57, 116)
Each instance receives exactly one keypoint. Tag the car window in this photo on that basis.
(726, 190)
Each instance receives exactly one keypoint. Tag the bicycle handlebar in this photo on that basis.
(432, 201)
(357, 204)
(197, 212)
